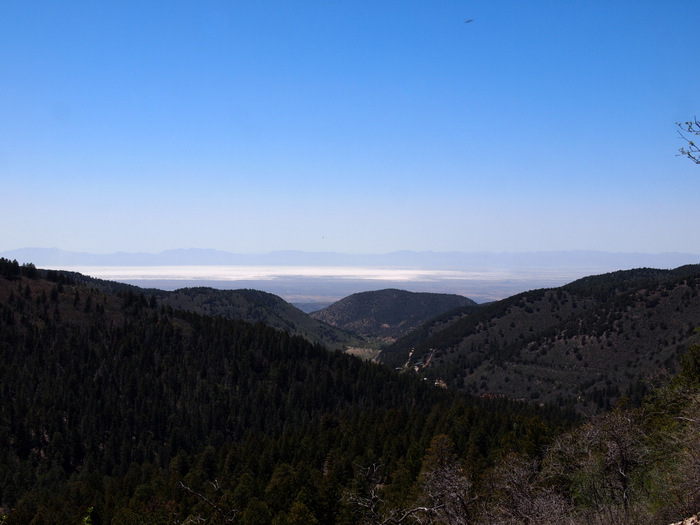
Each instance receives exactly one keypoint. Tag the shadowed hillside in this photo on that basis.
(124, 410)
(388, 313)
(253, 306)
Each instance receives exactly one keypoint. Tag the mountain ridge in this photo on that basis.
(326, 277)
(249, 305)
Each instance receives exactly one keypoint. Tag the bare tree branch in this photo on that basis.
(692, 151)
(367, 496)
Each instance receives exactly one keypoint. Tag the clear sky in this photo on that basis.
(348, 125)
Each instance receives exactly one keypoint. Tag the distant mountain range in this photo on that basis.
(592, 261)
(325, 277)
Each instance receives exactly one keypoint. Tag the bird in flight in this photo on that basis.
(470, 20)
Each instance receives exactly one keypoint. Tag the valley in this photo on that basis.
(139, 405)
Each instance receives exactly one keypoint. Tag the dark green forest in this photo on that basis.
(117, 410)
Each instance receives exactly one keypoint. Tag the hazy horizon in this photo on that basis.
(331, 283)
(327, 277)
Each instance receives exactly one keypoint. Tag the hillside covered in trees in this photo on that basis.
(253, 306)
(388, 313)
(119, 410)
(112, 401)
(585, 344)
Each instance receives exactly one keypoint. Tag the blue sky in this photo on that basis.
(349, 126)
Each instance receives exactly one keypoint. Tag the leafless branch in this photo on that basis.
(692, 151)
(369, 498)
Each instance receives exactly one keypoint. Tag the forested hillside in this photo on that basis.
(584, 344)
(138, 411)
(388, 313)
(117, 410)
(253, 306)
